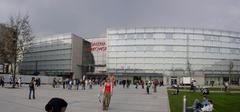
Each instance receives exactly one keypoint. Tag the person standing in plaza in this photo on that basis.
(70, 84)
(155, 83)
(142, 83)
(194, 85)
(77, 83)
(107, 91)
(123, 83)
(32, 88)
(19, 82)
(86, 82)
(74, 83)
(113, 80)
(83, 85)
(66, 83)
(136, 83)
(54, 82)
(226, 86)
(148, 86)
(63, 83)
(2, 81)
(90, 84)
(39, 82)
(128, 83)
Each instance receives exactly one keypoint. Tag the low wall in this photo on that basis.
(27, 78)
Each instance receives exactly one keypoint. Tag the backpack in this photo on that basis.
(31, 84)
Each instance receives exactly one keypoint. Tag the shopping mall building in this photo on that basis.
(169, 54)
(55, 55)
(66, 55)
(163, 53)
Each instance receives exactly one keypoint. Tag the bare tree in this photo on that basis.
(5, 42)
(18, 38)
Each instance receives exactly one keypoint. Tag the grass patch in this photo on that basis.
(222, 102)
(210, 88)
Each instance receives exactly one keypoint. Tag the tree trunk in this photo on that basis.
(14, 71)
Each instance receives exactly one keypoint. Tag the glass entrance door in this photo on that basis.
(173, 81)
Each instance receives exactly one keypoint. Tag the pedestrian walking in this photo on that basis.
(83, 85)
(90, 84)
(2, 81)
(148, 86)
(107, 91)
(77, 83)
(32, 88)
(54, 82)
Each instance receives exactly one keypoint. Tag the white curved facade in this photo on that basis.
(165, 52)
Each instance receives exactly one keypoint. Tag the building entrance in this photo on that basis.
(136, 78)
(173, 81)
(225, 79)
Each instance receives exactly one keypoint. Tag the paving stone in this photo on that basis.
(123, 100)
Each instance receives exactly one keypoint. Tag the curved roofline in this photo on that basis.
(170, 27)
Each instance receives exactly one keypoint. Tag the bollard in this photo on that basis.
(184, 103)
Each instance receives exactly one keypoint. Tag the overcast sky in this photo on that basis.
(91, 18)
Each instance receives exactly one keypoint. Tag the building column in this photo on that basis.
(165, 80)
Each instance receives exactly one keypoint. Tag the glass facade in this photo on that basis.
(98, 49)
(49, 56)
(167, 51)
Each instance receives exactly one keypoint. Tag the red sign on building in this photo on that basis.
(97, 46)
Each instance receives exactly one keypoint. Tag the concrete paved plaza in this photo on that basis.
(123, 100)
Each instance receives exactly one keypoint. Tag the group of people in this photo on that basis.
(60, 105)
(149, 83)
(73, 83)
(141, 83)
(68, 83)
(76, 83)
(125, 82)
(18, 81)
(205, 105)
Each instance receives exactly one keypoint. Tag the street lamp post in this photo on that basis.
(230, 71)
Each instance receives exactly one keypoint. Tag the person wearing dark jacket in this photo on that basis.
(32, 88)
(56, 105)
